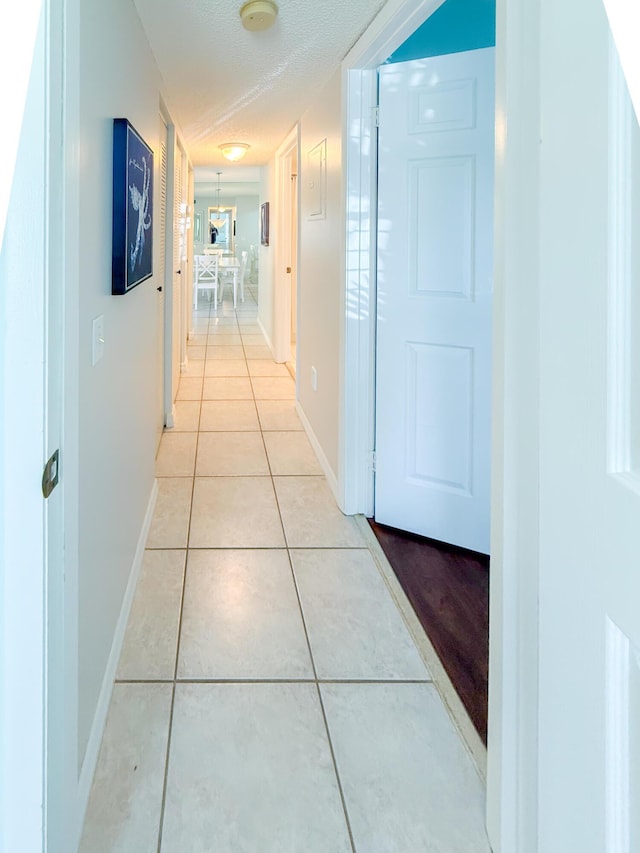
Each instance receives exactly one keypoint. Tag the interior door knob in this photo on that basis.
(288, 269)
(159, 289)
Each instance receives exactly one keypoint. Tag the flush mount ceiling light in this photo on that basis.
(234, 150)
(258, 15)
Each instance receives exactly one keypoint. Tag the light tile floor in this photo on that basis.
(269, 696)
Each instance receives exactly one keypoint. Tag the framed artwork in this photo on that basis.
(264, 223)
(132, 236)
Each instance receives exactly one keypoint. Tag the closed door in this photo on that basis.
(161, 231)
(435, 234)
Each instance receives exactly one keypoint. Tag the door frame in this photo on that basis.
(513, 693)
(281, 238)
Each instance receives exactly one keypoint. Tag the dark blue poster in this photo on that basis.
(132, 208)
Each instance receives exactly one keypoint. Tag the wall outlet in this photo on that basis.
(97, 349)
(314, 379)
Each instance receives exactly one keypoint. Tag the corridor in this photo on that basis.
(269, 695)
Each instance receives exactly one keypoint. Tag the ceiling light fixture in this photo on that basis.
(219, 222)
(234, 150)
(258, 15)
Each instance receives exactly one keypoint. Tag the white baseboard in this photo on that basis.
(170, 417)
(104, 699)
(267, 338)
(322, 459)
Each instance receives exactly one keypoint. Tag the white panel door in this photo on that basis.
(435, 235)
(589, 455)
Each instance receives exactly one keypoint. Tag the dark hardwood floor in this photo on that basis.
(448, 588)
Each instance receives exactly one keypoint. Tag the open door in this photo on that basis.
(435, 233)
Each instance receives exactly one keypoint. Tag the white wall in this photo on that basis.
(118, 398)
(320, 273)
(247, 222)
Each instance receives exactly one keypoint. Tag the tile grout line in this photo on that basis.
(175, 669)
(315, 680)
(320, 681)
(322, 709)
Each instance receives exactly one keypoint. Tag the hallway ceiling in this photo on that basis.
(224, 83)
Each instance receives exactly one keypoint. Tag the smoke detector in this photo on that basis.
(258, 15)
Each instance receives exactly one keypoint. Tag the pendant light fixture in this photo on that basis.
(219, 222)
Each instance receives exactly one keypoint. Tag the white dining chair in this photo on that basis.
(205, 276)
(234, 276)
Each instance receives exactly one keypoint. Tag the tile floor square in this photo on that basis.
(192, 370)
(260, 352)
(186, 416)
(170, 522)
(225, 351)
(278, 415)
(291, 453)
(229, 416)
(218, 340)
(250, 806)
(266, 367)
(241, 618)
(226, 331)
(231, 454)
(311, 517)
(196, 353)
(235, 512)
(256, 340)
(151, 639)
(126, 798)
(355, 629)
(190, 388)
(218, 388)
(408, 782)
(273, 388)
(226, 367)
(177, 454)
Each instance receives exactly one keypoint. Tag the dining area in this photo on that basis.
(216, 269)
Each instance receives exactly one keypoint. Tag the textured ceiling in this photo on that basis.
(224, 83)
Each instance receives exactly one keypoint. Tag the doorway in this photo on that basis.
(292, 268)
(286, 252)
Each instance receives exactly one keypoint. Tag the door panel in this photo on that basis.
(435, 232)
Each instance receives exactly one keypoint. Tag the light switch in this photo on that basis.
(314, 379)
(98, 339)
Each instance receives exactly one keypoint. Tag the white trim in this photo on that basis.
(392, 26)
(618, 747)
(168, 268)
(322, 459)
(266, 336)
(281, 242)
(102, 708)
(513, 691)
